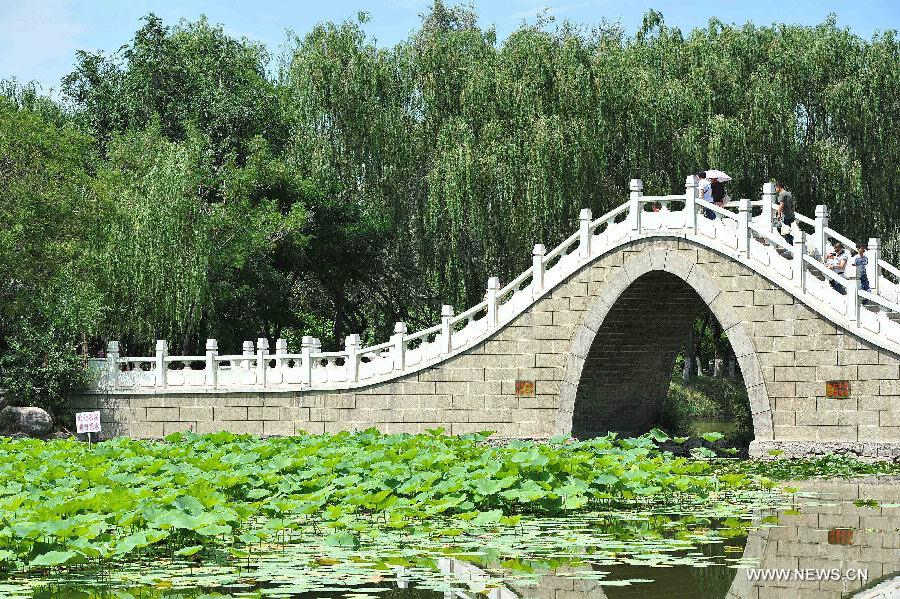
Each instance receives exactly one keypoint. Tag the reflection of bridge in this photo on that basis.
(803, 544)
(833, 533)
(594, 324)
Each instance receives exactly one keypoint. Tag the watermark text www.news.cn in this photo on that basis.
(812, 574)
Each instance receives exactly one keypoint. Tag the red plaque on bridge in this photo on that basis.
(524, 388)
(837, 389)
(840, 536)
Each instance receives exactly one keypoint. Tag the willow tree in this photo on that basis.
(159, 248)
(474, 149)
(424, 167)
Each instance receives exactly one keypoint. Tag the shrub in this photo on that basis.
(41, 366)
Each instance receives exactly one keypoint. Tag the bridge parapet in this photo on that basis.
(732, 230)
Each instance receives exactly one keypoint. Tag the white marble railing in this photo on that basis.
(735, 231)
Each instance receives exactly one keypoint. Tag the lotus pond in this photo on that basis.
(371, 515)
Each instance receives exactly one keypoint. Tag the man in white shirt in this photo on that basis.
(836, 260)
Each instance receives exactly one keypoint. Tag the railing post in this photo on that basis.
(351, 346)
(584, 231)
(398, 346)
(768, 199)
(873, 270)
(262, 349)
(162, 350)
(446, 340)
(691, 183)
(493, 286)
(212, 350)
(743, 222)
(821, 239)
(799, 265)
(852, 286)
(307, 344)
(280, 361)
(112, 364)
(247, 351)
(537, 268)
(637, 190)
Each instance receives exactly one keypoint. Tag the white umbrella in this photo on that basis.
(717, 174)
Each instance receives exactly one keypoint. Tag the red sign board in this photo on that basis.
(837, 389)
(840, 536)
(524, 388)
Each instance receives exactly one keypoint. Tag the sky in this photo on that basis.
(39, 38)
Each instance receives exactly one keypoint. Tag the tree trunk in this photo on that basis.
(699, 339)
(689, 355)
(339, 315)
(717, 348)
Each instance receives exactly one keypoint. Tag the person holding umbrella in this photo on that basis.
(706, 193)
(716, 189)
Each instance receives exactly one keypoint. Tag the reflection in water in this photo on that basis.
(843, 541)
(683, 581)
(849, 527)
(829, 529)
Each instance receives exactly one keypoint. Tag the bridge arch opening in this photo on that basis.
(624, 353)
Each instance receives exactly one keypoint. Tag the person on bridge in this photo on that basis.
(713, 191)
(706, 191)
(718, 192)
(785, 211)
(836, 260)
(860, 262)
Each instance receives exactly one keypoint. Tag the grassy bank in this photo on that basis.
(708, 402)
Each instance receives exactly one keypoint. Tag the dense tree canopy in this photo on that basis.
(184, 189)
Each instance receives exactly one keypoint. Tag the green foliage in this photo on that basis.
(191, 76)
(63, 502)
(48, 300)
(44, 180)
(707, 398)
(159, 249)
(197, 195)
(830, 466)
(171, 259)
(40, 366)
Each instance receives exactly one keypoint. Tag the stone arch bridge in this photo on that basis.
(581, 343)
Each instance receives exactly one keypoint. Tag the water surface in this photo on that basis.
(819, 538)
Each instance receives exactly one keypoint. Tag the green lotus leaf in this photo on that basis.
(712, 437)
(658, 435)
(53, 558)
(189, 551)
(342, 539)
(487, 518)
